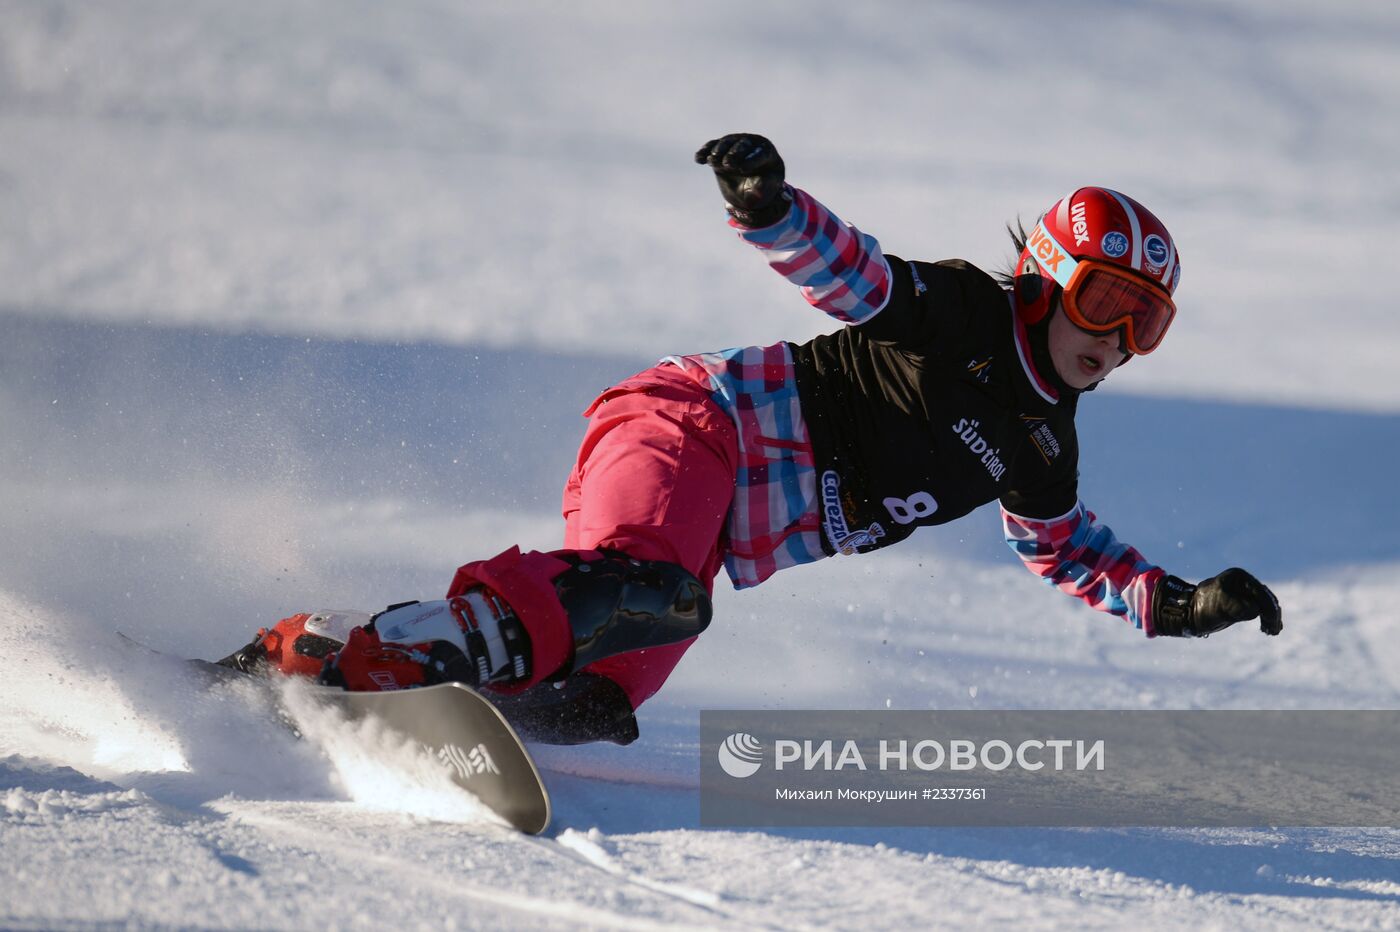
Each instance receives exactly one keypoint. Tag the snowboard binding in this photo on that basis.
(295, 646)
(613, 604)
(473, 639)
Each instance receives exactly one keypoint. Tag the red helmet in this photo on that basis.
(1113, 261)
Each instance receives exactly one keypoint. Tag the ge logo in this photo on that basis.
(1114, 244)
(741, 755)
(911, 509)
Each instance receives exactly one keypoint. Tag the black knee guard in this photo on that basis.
(619, 604)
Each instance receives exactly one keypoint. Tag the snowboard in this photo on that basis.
(468, 734)
(456, 724)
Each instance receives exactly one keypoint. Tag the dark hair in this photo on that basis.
(1006, 277)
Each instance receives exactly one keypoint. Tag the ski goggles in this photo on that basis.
(1101, 297)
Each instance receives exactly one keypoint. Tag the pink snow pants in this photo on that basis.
(654, 479)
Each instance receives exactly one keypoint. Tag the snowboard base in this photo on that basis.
(463, 730)
(457, 725)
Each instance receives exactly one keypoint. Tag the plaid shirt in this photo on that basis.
(775, 521)
(1082, 558)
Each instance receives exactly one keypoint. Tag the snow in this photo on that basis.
(300, 304)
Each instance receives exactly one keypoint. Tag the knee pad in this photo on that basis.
(581, 606)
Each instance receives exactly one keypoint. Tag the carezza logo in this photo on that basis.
(838, 532)
(740, 755)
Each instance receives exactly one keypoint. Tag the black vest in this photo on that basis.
(930, 409)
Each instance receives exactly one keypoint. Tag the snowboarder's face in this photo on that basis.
(1082, 358)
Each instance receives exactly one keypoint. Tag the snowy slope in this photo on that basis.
(299, 303)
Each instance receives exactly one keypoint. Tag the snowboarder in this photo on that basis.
(947, 388)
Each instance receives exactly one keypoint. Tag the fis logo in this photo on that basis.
(981, 371)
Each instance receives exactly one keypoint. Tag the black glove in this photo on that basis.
(1180, 609)
(750, 175)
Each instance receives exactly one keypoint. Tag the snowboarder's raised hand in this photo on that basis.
(1180, 609)
(750, 174)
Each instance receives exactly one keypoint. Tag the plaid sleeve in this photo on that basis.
(1082, 558)
(840, 270)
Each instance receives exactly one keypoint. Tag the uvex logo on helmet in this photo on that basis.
(1093, 224)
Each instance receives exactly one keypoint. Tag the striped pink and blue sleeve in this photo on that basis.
(1084, 559)
(840, 270)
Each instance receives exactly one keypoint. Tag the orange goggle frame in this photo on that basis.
(1101, 297)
